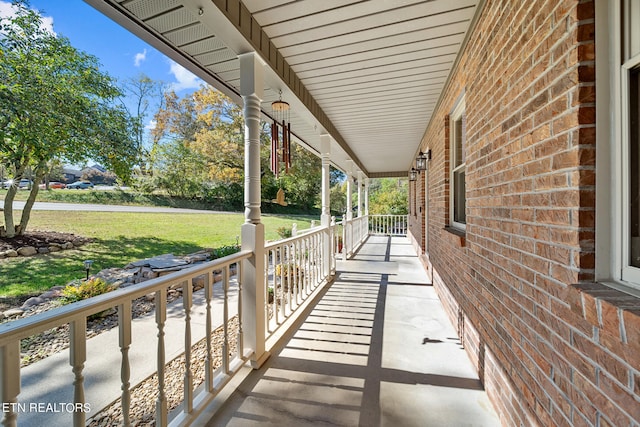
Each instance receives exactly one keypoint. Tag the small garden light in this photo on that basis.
(87, 266)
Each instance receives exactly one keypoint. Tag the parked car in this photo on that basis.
(80, 185)
(53, 184)
(24, 183)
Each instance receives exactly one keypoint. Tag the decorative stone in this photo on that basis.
(57, 288)
(51, 294)
(33, 301)
(43, 250)
(77, 242)
(11, 253)
(13, 312)
(27, 251)
(68, 245)
(198, 283)
(54, 248)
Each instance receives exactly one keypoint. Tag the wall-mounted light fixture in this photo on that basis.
(413, 174)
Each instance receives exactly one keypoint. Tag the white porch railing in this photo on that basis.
(388, 225)
(295, 267)
(75, 315)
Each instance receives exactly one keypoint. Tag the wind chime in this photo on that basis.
(280, 132)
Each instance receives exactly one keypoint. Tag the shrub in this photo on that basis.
(224, 251)
(80, 290)
(284, 232)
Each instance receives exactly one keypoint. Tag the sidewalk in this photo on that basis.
(51, 380)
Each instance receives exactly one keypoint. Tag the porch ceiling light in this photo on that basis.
(413, 174)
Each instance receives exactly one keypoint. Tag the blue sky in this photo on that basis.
(121, 54)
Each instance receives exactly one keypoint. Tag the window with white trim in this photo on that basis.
(618, 27)
(457, 143)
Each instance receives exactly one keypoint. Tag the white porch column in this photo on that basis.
(349, 193)
(325, 218)
(360, 179)
(253, 289)
(366, 196)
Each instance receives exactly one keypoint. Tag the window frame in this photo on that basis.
(456, 115)
(613, 66)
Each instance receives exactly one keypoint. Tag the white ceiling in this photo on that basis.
(375, 68)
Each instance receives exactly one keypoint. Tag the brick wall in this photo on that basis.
(553, 348)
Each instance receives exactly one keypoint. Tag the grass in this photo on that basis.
(121, 238)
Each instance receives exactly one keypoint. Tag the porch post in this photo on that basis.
(349, 192)
(252, 231)
(360, 177)
(325, 218)
(366, 196)
(346, 252)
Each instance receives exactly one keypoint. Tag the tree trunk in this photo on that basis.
(26, 212)
(10, 229)
(8, 204)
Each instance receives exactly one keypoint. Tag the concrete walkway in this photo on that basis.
(51, 380)
(376, 350)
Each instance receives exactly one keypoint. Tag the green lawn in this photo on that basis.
(121, 238)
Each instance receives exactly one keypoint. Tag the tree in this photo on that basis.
(55, 104)
(388, 196)
(143, 93)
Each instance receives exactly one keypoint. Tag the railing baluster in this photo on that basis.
(208, 361)
(283, 303)
(161, 318)
(77, 357)
(124, 325)
(10, 386)
(240, 333)
(187, 302)
(225, 320)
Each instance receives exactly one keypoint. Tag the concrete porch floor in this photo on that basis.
(376, 350)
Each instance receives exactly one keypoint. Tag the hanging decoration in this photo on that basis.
(280, 132)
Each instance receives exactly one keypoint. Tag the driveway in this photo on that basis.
(80, 207)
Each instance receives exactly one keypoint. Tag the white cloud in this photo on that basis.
(151, 125)
(139, 58)
(8, 10)
(185, 79)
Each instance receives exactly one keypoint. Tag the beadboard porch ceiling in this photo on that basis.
(367, 72)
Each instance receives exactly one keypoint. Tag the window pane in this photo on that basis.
(634, 167)
(459, 203)
(457, 135)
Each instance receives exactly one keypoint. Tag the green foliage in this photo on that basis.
(388, 196)
(226, 250)
(284, 232)
(55, 104)
(82, 289)
(199, 154)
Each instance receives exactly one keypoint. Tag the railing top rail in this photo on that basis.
(22, 328)
(289, 240)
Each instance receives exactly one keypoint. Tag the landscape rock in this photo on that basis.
(68, 245)
(54, 248)
(43, 250)
(33, 301)
(13, 312)
(27, 251)
(51, 294)
(11, 253)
